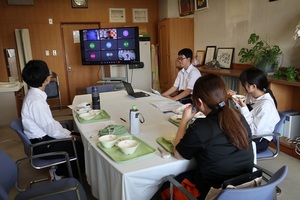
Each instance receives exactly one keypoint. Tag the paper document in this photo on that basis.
(155, 92)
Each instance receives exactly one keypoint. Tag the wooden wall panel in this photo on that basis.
(46, 36)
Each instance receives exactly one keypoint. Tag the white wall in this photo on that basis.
(228, 23)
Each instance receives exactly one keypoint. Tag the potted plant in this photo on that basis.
(290, 73)
(261, 55)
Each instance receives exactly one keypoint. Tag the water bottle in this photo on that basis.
(134, 121)
(95, 98)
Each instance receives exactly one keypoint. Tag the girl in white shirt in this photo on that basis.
(260, 106)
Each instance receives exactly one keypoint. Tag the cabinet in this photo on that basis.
(174, 34)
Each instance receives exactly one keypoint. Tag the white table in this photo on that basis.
(135, 179)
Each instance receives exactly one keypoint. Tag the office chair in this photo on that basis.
(266, 191)
(39, 163)
(101, 88)
(67, 188)
(52, 89)
(271, 153)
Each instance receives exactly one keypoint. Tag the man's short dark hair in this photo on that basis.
(35, 73)
(188, 53)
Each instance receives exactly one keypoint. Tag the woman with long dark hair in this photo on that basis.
(220, 142)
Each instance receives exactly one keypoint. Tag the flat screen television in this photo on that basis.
(110, 46)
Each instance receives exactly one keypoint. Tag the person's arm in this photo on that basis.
(182, 95)
(170, 91)
(186, 117)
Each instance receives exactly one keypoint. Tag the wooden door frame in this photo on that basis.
(64, 50)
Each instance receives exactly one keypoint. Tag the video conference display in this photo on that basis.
(106, 46)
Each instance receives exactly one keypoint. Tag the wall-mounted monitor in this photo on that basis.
(110, 46)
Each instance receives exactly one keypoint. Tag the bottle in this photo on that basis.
(95, 98)
(134, 121)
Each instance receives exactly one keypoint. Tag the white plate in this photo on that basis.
(176, 118)
(239, 96)
(180, 109)
(87, 116)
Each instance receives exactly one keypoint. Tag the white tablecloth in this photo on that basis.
(134, 179)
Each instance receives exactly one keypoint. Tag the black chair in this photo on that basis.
(67, 188)
(52, 90)
(39, 163)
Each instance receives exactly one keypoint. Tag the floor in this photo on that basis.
(11, 144)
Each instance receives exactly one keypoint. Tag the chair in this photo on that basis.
(101, 88)
(52, 89)
(67, 188)
(271, 153)
(266, 191)
(39, 163)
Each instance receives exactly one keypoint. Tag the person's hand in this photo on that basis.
(76, 137)
(241, 102)
(230, 93)
(188, 113)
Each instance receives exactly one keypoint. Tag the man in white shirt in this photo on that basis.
(37, 120)
(186, 78)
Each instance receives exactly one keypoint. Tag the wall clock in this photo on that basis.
(79, 3)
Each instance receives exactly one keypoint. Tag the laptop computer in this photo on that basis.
(131, 92)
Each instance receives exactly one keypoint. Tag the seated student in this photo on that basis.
(259, 108)
(185, 79)
(220, 143)
(38, 123)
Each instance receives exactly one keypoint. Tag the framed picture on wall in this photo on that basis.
(140, 15)
(200, 54)
(225, 57)
(117, 15)
(201, 4)
(186, 7)
(210, 54)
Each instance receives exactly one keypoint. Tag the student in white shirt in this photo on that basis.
(37, 120)
(186, 78)
(260, 106)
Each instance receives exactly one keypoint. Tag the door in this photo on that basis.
(78, 76)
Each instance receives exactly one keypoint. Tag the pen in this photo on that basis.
(122, 119)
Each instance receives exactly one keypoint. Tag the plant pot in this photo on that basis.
(267, 68)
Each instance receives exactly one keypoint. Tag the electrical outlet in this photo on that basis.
(50, 21)
(47, 53)
(54, 52)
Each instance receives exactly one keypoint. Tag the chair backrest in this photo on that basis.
(101, 88)
(17, 126)
(267, 191)
(8, 175)
(52, 90)
(279, 125)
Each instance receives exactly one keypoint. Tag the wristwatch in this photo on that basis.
(79, 3)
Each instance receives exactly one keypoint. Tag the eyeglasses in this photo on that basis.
(181, 58)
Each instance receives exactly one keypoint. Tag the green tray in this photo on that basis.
(176, 123)
(168, 146)
(102, 116)
(117, 155)
(115, 130)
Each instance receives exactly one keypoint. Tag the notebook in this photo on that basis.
(131, 92)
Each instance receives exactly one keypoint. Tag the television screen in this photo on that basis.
(110, 46)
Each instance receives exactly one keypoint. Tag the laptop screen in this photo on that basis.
(128, 88)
